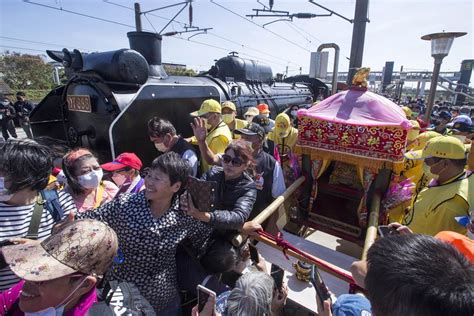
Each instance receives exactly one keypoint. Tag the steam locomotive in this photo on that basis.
(110, 96)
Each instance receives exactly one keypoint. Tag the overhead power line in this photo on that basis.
(131, 26)
(210, 33)
(40, 43)
(78, 13)
(23, 48)
(270, 31)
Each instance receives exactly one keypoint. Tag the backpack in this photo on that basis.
(120, 298)
(48, 199)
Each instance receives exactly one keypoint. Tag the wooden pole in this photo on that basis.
(270, 209)
(323, 265)
(371, 234)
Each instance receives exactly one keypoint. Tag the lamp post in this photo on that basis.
(440, 46)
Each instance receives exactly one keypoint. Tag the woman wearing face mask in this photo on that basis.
(84, 180)
(293, 114)
(283, 135)
(125, 171)
(228, 116)
(59, 275)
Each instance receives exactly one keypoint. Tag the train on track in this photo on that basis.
(110, 96)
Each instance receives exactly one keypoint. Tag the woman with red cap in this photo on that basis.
(125, 171)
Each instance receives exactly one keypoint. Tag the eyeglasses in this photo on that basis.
(236, 162)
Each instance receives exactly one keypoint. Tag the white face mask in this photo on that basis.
(4, 193)
(91, 180)
(120, 179)
(427, 172)
(266, 114)
(5, 103)
(161, 147)
(294, 113)
(61, 177)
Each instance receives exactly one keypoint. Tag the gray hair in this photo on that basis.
(252, 295)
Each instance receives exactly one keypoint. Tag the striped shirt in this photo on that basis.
(14, 223)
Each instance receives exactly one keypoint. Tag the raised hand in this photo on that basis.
(199, 129)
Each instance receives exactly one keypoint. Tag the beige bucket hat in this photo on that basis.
(86, 246)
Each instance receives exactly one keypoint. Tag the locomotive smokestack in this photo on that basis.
(149, 45)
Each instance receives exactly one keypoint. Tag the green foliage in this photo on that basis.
(22, 71)
(36, 95)
(172, 71)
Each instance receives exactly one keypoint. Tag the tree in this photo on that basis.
(23, 71)
(178, 71)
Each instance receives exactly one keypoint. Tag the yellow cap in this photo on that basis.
(208, 106)
(415, 124)
(445, 147)
(253, 111)
(414, 132)
(408, 111)
(229, 105)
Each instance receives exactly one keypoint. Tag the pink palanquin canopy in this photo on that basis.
(354, 126)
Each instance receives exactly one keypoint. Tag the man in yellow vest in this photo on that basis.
(449, 194)
(228, 116)
(218, 133)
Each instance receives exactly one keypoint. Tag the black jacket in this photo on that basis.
(7, 111)
(235, 199)
(23, 108)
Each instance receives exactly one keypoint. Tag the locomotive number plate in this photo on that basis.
(79, 103)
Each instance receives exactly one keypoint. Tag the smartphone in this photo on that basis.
(385, 230)
(318, 283)
(277, 274)
(254, 253)
(203, 294)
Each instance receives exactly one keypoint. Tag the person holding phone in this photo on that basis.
(150, 225)
(346, 304)
(236, 190)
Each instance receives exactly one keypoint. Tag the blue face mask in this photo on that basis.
(50, 311)
(58, 310)
(5, 195)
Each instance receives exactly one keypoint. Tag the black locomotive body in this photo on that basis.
(110, 96)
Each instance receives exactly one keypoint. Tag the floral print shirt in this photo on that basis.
(148, 244)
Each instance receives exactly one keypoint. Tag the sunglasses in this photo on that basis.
(236, 162)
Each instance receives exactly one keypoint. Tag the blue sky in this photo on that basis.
(392, 35)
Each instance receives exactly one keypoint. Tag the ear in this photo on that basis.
(176, 186)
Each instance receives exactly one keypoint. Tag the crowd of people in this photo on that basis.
(15, 112)
(70, 223)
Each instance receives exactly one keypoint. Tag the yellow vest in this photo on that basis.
(424, 216)
(238, 125)
(217, 140)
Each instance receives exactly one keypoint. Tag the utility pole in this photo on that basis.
(138, 19)
(358, 37)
